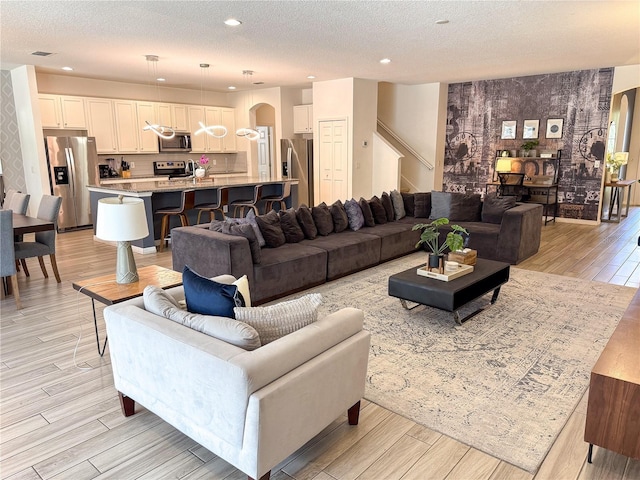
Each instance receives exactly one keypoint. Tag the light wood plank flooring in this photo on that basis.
(60, 418)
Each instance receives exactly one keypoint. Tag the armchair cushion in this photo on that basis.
(275, 321)
(209, 297)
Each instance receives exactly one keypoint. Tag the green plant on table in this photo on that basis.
(530, 145)
(430, 236)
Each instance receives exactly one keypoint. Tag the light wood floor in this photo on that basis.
(60, 417)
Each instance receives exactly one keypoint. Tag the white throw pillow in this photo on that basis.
(242, 283)
(275, 321)
(228, 330)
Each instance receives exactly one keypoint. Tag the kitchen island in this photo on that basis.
(162, 193)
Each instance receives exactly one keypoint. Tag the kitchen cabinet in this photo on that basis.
(204, 143)
(62, 111)
(126, 125)
(101, 124)
(198, 142)
(147, 140)
(303, 119)
(228, 119)
(174, 115)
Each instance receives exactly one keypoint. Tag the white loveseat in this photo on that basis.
(251, 408)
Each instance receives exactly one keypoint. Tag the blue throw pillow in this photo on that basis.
(208, 297)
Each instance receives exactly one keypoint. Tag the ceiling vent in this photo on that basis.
(41, 54)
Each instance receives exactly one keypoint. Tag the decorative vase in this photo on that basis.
(607, 176)
(200, 172)
(614, 176)
(436, 262)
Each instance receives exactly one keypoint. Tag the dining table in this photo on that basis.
(23, 224)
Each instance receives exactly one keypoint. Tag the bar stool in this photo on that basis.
(223, 199)
(271, 199)
(250, 203)
(188, 201)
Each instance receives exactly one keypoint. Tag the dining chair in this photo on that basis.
(217, 206)
(248, 203)
(187, 203)
(45, 242)
(19, 203)
(7, 198)
(285, 192)
(7, 255)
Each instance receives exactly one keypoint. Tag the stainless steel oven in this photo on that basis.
(181, 142)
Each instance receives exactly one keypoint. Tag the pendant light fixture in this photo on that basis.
(161, 131)
(217, 131)
(248, 132)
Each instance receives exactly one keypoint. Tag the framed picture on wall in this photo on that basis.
(554, 127)
(530, 129)
(508, 130)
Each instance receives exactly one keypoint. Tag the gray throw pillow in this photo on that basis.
(322, 218)
(385, 199)
(245, 230)
(379, 215)
(398, 205)
(422, 205)
(290, 226)
(367, 214)
(339, 216)
(250, 219)
(457, 207)
(305, 219)
(493, 208)
(271, 230)
(440, 205)
(276, 321)
(354, 214)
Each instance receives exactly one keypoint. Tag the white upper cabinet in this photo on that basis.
(303, 119)
(61, 111)
(174, 115)
(147, 140)
(126, 126)
(203, 143)
(101, 124)
(198, 142)
(228, 119)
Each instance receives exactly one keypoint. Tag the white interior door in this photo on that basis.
(264, 152)
(333, 161)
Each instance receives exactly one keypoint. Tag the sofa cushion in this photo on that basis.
(290, 226)
(354, 214)
(398, 205)
(243, 230)
(367, 214)
(305, 219)
(457, 207)
(422, 205)
(409, 201)
(339, 216)
(493, 208)
(276, 321)
(396, 238)
(159, 302)
(271, 229)
(209, 297)
(379, 214)
(385, 199)
(250, 219)
(323, 219)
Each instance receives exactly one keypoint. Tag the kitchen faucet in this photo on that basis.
(193, 168)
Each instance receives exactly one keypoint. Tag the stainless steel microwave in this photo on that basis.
(181, 142)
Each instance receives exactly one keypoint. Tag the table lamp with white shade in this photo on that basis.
(122, 219)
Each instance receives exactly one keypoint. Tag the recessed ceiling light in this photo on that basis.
(442, 22)
(68, 69)
(385, 61)
(231, 87)
(161, 79)
(232, 22)
(311, 77)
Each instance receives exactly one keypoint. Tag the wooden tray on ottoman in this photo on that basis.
(446, 276)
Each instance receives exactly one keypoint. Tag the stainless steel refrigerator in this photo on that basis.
(73, 164)
(297, 162)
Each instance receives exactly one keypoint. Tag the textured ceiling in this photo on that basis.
(283, 42)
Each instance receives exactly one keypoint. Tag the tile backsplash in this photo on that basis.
(143, 164)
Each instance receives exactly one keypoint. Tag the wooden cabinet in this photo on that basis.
(228, 118)
(147, 140)
(101, 124)
(203, 143)
(174, 115)
(61, 111)
(199, 141)
(303, 119)
(126, 126)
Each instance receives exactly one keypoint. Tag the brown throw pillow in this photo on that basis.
(369, 221)
(305, 219)
(339, 216)
(493, 208)
(271, 230)
(322, 218)
(244, 230)
(422, 205)
(290, 226)
(379, 215)
(408, 200)
(388, 206)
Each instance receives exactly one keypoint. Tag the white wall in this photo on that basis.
(417, 114)
(625, 78)
(386, 166)
(365, 110)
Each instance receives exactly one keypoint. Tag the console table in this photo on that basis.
(613, 410)
(617, 199)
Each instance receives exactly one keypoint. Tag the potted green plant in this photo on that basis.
(430, 236)
(529, 146)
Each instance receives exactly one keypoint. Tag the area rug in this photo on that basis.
(506, 381)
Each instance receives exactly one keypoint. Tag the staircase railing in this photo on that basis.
(405, 145)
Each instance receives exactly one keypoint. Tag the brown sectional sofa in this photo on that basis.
(297, 266)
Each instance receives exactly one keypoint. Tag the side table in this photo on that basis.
(107, 291)
(617, 199)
